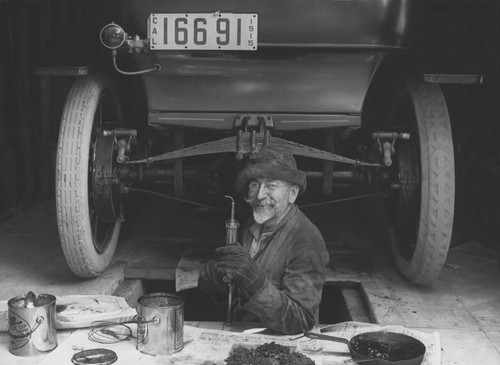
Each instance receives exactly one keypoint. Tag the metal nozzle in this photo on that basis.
(232, 206)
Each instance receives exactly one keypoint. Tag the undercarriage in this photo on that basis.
(212, 101)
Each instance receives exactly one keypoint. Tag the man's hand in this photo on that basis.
(235, 263)
(210, 274)
(210, 281)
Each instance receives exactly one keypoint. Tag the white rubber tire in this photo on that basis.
(437, 186)
(72, 173)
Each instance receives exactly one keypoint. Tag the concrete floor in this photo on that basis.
(463, 305)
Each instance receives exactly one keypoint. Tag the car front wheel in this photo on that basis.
(89, 209)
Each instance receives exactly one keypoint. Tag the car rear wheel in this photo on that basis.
(89, 208)
(421, 203)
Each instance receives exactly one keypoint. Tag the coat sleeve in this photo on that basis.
(292, 307)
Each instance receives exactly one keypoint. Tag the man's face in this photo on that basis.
(270, 199)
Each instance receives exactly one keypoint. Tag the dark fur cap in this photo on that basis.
(275, 163)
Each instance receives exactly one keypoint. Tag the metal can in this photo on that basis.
(160, 324)
(32, 329)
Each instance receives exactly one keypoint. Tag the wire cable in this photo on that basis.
(109, 332)
(156, 67)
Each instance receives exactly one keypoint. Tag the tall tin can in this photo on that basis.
(32, 329)
(160, 324)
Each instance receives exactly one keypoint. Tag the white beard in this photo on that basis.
(266, 212)
(263, 214)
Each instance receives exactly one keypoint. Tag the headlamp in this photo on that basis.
(113, 36)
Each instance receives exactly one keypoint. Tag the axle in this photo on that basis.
(153, 173)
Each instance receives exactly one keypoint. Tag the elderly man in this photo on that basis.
(279, 268)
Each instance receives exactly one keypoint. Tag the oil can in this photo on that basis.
(32, 326)
(160, 324)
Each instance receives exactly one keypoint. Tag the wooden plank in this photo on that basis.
(467, 347)
(396, 301)
(494, 336)
(153, 260)
(347, 263)
(355, 303)
(472, 273)
(130, 290)
(156, 258)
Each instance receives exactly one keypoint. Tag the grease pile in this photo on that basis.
(267, 354)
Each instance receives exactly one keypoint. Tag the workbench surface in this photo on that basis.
(209, 343)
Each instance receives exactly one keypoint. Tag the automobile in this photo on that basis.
(333, 81)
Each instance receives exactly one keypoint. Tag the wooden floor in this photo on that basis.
(463, 305)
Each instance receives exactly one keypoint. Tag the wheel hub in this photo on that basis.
(406, 198)
(105, 182)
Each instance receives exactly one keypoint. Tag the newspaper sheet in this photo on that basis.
(211, 347)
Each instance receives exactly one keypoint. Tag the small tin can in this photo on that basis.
(32, 328)
(160, 324)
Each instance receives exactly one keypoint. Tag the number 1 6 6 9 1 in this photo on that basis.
(216, 31)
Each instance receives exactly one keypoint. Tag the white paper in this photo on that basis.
(79, 311)
(211, 347)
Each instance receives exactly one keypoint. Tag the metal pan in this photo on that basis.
(380, 348)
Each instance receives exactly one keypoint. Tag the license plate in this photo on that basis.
(203, 31)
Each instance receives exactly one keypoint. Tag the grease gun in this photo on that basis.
(231, 239)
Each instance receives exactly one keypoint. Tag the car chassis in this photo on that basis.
(408, 159)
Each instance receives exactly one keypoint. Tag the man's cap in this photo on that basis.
(274, 163)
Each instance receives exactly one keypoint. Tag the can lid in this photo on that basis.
(94, 356)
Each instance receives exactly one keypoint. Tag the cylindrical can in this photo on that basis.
(32, 330)
(160, 324)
